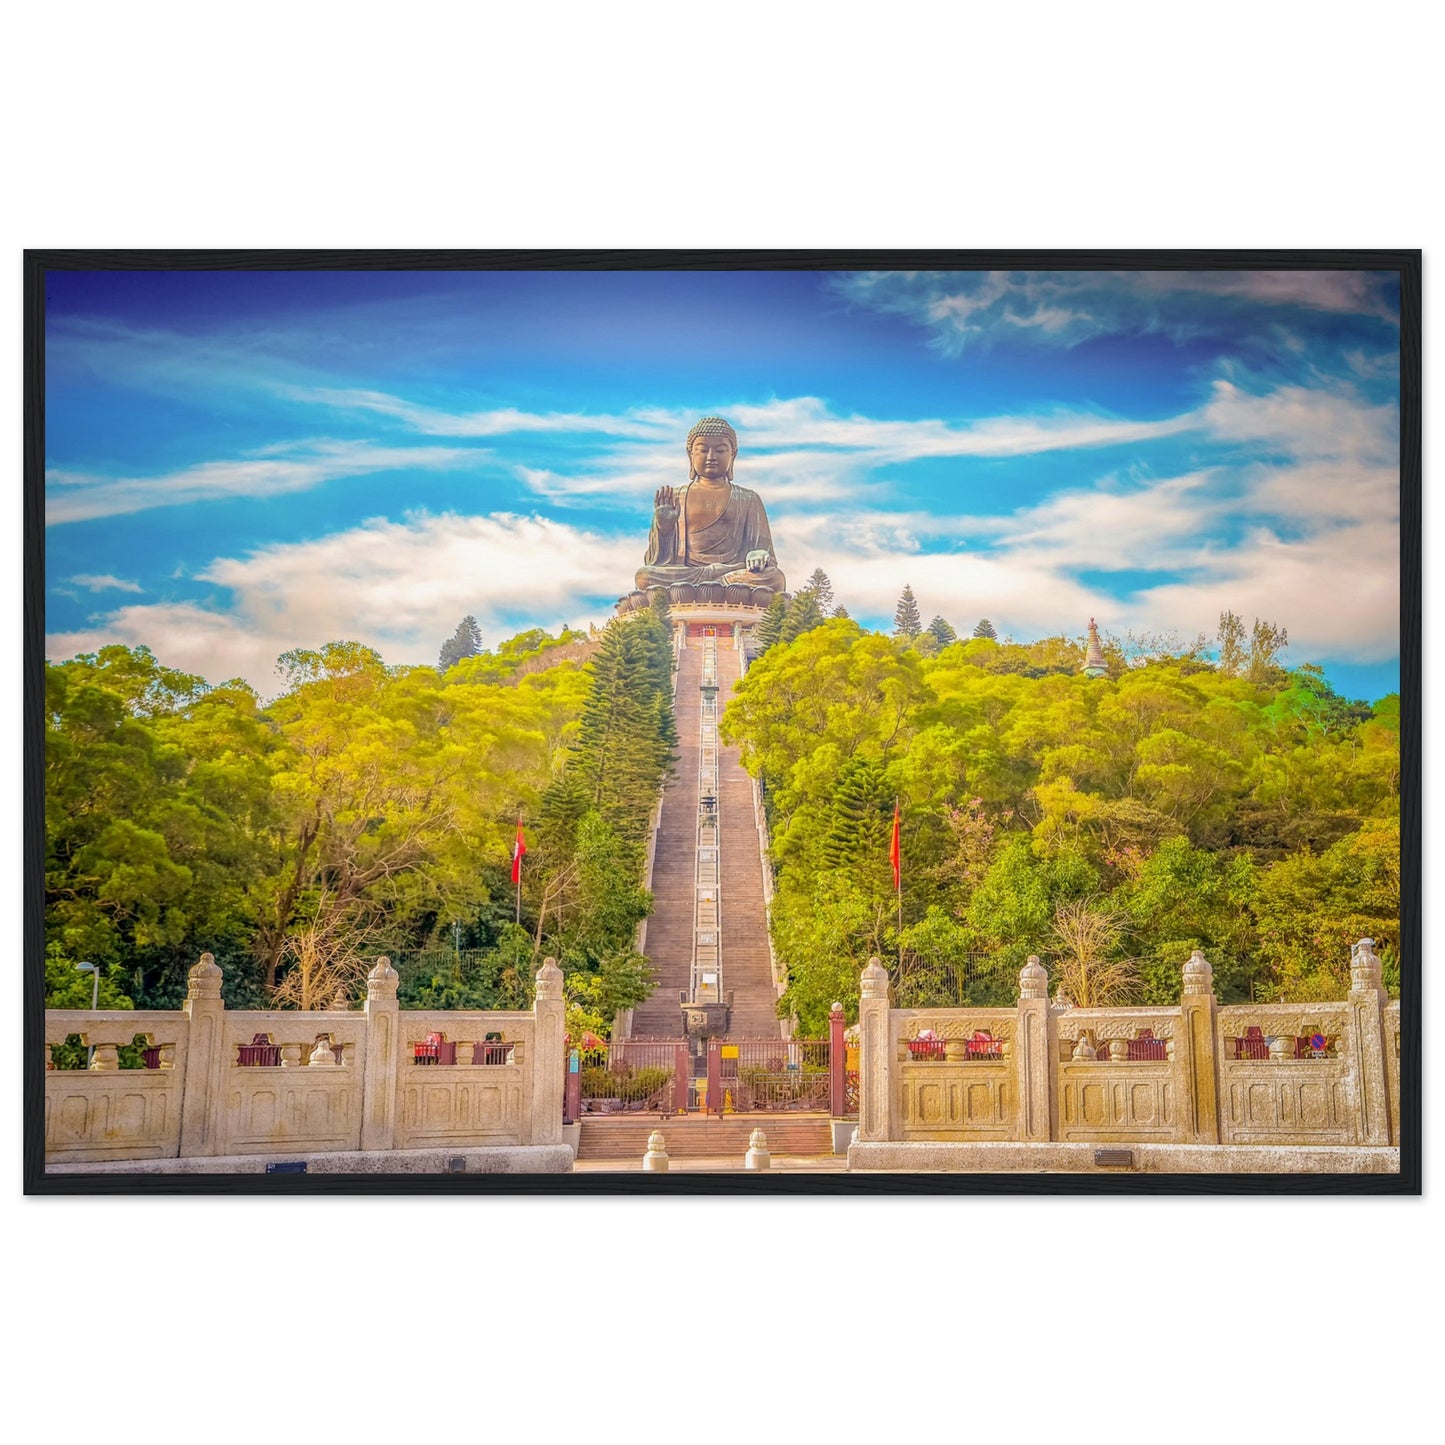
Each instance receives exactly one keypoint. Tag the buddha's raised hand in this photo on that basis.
(665, 506)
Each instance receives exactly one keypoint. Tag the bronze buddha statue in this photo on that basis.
(710, 530)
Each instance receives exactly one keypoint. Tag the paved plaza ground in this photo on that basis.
(810, 1164)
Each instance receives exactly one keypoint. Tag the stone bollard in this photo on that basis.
(321, 1056)
(655, 1161)
(1280, 1049)
(757, 1156)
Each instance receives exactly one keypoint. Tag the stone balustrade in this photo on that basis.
(1046, 1072)
(245, 1082)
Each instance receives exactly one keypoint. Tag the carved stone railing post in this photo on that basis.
(379, 1070)
(549, 1051)
(875, 1067)
(201, 1087)
(1035, 1055)
(105, 1056)
(1367, 1004)
(1196, 1061)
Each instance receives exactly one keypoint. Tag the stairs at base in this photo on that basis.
(701, 1136)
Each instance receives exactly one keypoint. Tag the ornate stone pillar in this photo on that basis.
(875, 1066)
(379, 1071)
(837, 1062)
(1035, 1052)
(1196, 1065)
(548, 1055)
(1367, 1003)
(200, 1091)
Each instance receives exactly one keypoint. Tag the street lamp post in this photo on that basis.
(94, 973)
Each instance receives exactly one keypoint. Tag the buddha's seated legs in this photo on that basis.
(689, 573)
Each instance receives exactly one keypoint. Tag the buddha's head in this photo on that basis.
(712, 446)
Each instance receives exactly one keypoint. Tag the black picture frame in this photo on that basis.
(1405, 263)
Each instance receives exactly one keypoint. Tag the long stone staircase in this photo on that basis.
(746, 968)
(669, 929)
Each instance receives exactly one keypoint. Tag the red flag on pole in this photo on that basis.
(518, 849)
(893, 850)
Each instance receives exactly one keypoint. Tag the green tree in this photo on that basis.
(1266, 642)
(821, 589)
(804, 615)
(907, 621)
(984, 628)
(1230, 642)
(769, 630)
(466, 641)
(627, 733)
(943, 633)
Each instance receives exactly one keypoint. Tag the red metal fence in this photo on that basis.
(730, 1076)
(633, 1075)
(770, 1075)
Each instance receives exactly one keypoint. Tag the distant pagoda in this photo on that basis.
(1094, 664)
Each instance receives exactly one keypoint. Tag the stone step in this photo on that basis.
(697, 1136)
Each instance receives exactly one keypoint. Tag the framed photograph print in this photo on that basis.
(735, 721)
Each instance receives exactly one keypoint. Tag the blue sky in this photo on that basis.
(242, 463)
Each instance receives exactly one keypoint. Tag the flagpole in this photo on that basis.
(898, 880)
(518, 848)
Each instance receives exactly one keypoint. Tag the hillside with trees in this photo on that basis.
(1110, 825)
(367, 809)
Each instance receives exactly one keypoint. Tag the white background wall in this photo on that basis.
(905, 124)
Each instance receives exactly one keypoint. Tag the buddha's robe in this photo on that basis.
(686, 552)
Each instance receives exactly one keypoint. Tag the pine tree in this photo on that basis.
(942, 631)
(984, 628)
(804, 615)
(466, 641)
(770, 626)
(860, 819)
(840, 611)
(821, 588)
(907, 621)
(627, 732)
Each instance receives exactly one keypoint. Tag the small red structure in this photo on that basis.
(260, 1053)
(1147, 1048)
(1253, 1045)
(435, 1050)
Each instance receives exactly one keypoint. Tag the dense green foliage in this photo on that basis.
(347, 818)
(1119, 821)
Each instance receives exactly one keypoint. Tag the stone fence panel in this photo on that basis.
(106, 1112)
(943, 1091)
(1324, 1074)
(246, 1082)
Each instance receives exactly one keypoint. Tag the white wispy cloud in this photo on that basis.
(797, 424)
(72, 496)
(1306, 422)
(500, 421)
(1309, 538)
(1064, 308)
(399, 586)
(104, 583)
